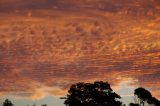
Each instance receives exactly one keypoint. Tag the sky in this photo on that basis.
(48, 45)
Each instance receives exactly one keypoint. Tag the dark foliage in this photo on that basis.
(154, 101)
(44, 105)
(145, 96)
(88, 94)
(133, 104)
(7, 103)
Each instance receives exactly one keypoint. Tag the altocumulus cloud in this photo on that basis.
(41, 57)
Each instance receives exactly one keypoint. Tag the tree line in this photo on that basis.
(7, 102)
(100, 93)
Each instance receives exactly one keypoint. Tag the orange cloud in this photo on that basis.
(44, 56)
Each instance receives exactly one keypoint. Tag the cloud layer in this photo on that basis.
(127, 6)
(43, 56)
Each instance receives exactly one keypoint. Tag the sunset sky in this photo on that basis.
(47, 45)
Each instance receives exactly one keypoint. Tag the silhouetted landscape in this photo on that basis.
(100, 93)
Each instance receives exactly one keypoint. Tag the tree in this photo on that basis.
(7, 103)
(87, 94)
(144, 96)
(132, 104)
(44, 105)
(154, 101)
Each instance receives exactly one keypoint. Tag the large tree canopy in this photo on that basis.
(87, 94)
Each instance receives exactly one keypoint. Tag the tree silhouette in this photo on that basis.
(7, 103)
(144, 96)
(154, 101)
(44, 105)
(87, 94)
(132, 104)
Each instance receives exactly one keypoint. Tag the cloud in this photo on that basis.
(42, 57)
(140, 7)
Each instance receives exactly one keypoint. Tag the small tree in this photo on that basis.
(87, 94)
(44, 105)
(7, 103)
(144, 96)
